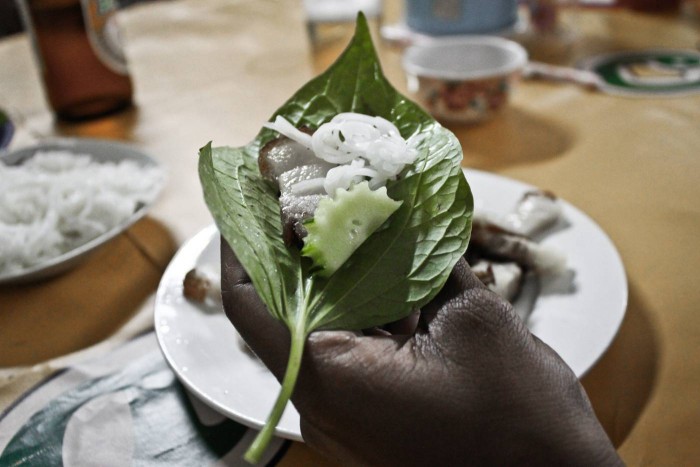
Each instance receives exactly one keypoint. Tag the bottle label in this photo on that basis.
(103, 33)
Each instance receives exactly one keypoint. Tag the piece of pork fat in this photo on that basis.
(535, 212)
(283, 154)
(493, 241)
(285, 162)
(503, 278)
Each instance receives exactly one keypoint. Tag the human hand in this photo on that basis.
(471, 386)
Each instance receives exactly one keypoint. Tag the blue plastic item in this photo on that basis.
(447, 17)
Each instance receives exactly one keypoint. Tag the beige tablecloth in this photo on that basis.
(214, 70)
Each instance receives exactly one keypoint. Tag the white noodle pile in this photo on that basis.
(365, 147)
(58, 200)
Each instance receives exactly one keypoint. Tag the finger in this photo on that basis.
(335, 367)
(231, 268)
(466, 313)
(270, 340)
(461, 279)
(347, 380)
(267, 337)
(405, 326)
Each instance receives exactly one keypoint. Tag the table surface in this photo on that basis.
(215, 70)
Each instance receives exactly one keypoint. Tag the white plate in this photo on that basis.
(101, 151)
(206, 353)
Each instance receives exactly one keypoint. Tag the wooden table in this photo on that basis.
(215, 70)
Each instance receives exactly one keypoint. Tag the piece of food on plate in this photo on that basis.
(348, 211)
(536, 212)
(501, 244)
(503, 278)
(203, 286)
(502, 252)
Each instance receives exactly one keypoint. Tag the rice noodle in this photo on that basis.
(365, 147)
(343, 176)
(58, 200)
(282, 126)
(306, 187)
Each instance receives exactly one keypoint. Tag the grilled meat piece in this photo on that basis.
(497, 243)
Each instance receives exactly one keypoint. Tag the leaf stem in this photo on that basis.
(261, 441)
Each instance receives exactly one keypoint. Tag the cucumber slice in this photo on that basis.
(341, 224)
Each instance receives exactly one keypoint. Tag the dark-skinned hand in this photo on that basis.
(471, 385)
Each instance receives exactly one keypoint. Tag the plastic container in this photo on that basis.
(449, 17)
(464, 80)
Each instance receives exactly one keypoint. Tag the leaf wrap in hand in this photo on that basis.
(399, 268)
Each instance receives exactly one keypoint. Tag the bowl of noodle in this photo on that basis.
(60, 200)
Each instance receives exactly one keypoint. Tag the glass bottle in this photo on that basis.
(81, 62)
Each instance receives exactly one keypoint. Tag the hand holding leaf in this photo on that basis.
(400, 267)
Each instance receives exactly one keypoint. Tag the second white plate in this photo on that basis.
(206, 353)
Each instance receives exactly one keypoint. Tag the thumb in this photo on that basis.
(267, 337)
(465, 313)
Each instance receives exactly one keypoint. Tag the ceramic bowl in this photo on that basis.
(464, 80)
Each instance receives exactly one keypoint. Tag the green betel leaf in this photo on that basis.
(400, 267)
(246, 211)
(403, 265)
